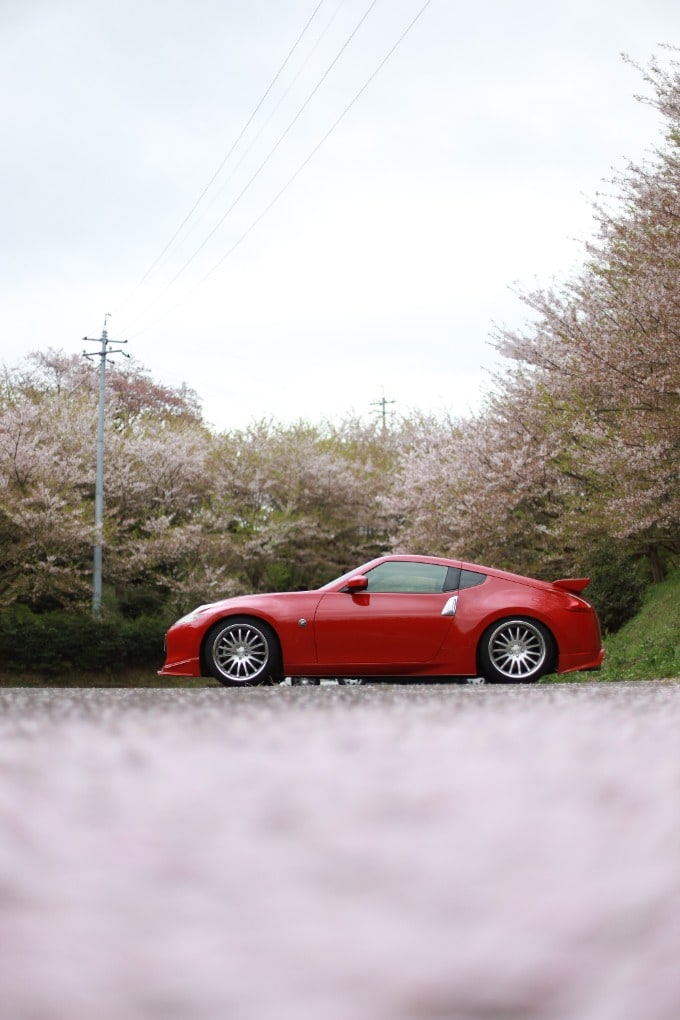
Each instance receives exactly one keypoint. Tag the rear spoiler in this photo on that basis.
(572, 584)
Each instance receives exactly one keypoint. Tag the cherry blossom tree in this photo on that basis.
(486, 489)
(48, 409)
(302, 499)
(188, 515)
(605, 348)
(579, 441)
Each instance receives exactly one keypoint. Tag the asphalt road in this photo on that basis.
(341, 853)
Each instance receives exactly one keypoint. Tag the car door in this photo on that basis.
(402, 618)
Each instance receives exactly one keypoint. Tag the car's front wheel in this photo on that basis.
(516, 651)
(240, 652)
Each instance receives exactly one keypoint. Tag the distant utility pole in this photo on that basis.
(382, 405)
(105, 351)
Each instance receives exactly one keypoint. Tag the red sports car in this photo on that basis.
(397, 616)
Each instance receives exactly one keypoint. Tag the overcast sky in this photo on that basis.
(466, 165)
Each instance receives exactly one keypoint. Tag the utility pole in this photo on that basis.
(105, 351)
(382, 405)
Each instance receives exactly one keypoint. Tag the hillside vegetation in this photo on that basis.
(648, 646)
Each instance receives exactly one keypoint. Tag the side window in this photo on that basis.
(406, 576)
(471, 578)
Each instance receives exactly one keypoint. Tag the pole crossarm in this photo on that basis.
(382, 411)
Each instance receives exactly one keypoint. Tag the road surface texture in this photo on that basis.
(414, 852)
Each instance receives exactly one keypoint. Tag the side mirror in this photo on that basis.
(356, 584)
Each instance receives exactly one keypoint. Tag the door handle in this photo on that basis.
(451, 606)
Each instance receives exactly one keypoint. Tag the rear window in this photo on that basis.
(471, 578)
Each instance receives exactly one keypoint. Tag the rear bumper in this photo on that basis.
(580, 661)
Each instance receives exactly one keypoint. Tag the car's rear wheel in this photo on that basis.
(516, 651)
(241, 652)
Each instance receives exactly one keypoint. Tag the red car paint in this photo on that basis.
(344, 630)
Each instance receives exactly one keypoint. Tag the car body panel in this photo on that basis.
(334, 632)
(380, 628)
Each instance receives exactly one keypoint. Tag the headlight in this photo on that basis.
(193, 614)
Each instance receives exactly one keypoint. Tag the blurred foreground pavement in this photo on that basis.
(341, 853)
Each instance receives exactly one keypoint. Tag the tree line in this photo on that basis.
(189, 514)
(578, 445)
(573, 459)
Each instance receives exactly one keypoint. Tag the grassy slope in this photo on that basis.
(648, 647)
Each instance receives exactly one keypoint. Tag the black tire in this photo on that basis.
(516, 651)
(241, 652)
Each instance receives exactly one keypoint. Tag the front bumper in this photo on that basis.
(181, 667)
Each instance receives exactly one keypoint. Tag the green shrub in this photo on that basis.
(57, 642)
(617, 587)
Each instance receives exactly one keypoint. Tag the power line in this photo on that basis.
(279, 103)
(214, 177)
(293, 177)
(262, 165)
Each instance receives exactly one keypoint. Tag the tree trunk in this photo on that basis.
(656, 565)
